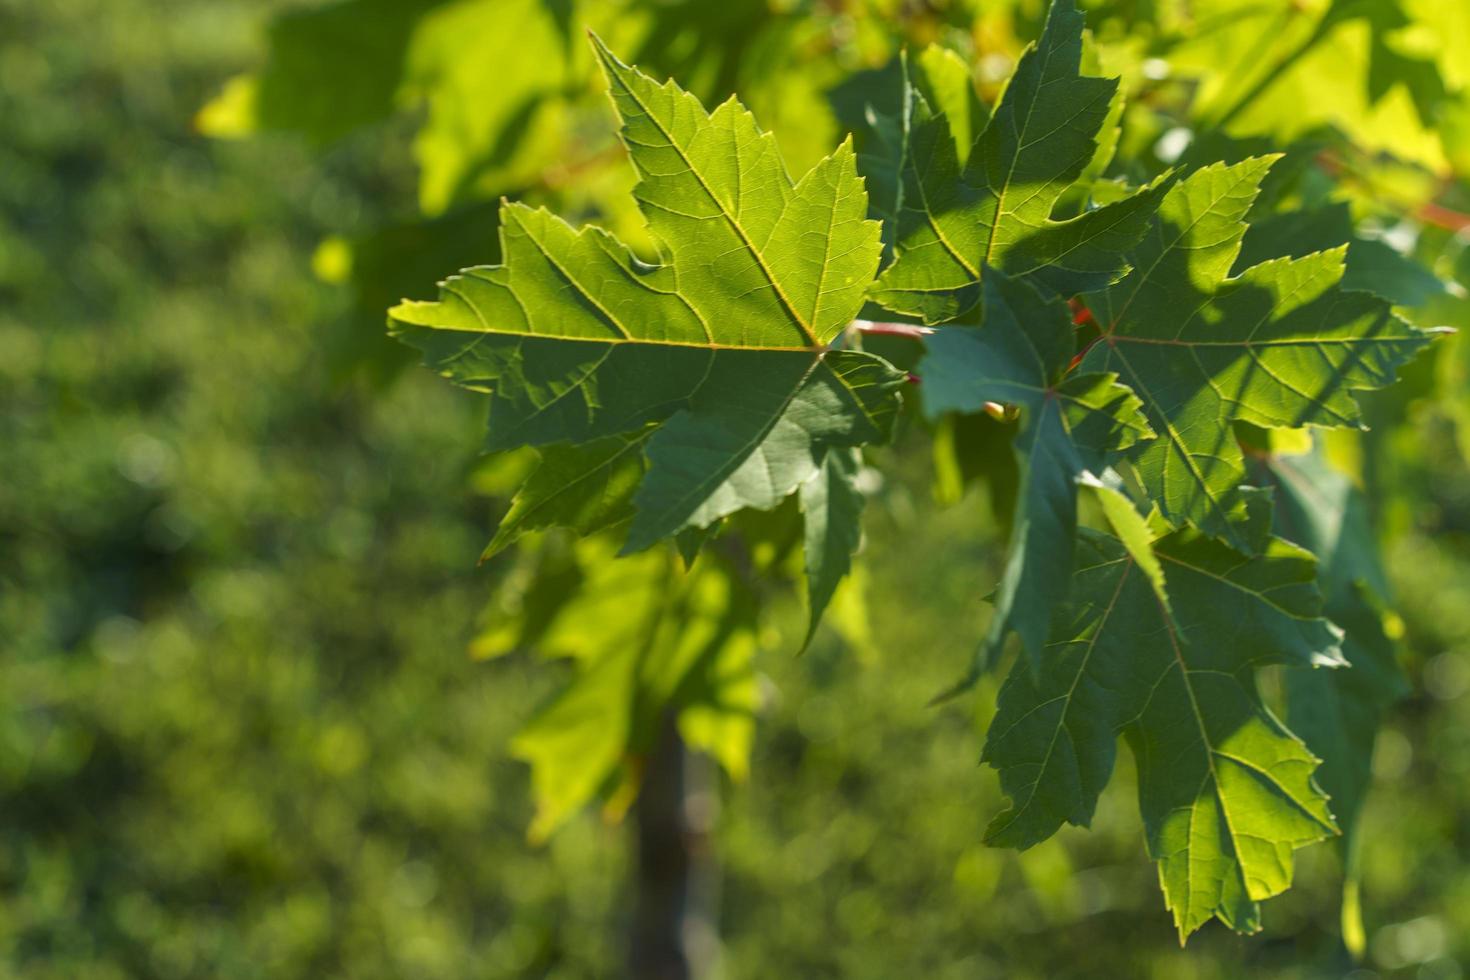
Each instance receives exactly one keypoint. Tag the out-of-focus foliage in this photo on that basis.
(645, 636)
(236, 734)
(239, 732)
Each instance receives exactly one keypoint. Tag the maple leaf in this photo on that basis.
(1070, 426)
(1225, 790)
(1281, 345)
(752, 437)
(954, 220)
(722, 348)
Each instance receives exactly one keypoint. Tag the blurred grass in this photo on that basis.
(240, 736)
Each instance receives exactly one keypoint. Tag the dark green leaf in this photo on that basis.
(1070, 425)
(1226, 792)
(832, 510)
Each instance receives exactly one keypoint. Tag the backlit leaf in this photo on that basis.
(1280, 345)
(955, 220)
(723, 349)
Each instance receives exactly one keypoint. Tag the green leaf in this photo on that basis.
(947, 83)
(1280, 345)
(1285, 70)
(1134, 531)
(778, 263)
(496, 101)
(724, 346)
(1070, 425)
(495, 109)
(953, 220)
(832, 510)
(1108, 137)
(390, 261)
(976, 448)
(719, 703)
(691, 541)
(1225, 790)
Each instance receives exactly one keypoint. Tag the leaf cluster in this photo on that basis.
(1144, 340)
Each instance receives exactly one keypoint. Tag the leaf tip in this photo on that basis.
(496, 546)
(611, 63)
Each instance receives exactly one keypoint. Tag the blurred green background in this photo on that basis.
(241, 733)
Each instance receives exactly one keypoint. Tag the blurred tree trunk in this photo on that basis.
(675, 877)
